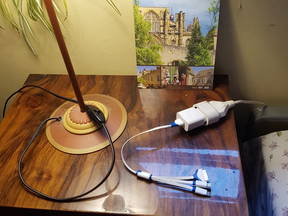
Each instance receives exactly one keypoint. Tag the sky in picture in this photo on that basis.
(191, 8)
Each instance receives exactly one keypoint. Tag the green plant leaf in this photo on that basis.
(112, 4)
(19, 13)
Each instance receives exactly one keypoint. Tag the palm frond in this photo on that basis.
(112, 4)
(13, 12)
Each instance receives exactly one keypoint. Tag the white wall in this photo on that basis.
(253, 49)
(98, 39)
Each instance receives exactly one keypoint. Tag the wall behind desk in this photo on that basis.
(98, 39)
(253, 49)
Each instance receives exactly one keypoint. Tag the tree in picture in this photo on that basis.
(212, 33)
(147, 49)
(200, 48)
(214, 13)
(198, 52)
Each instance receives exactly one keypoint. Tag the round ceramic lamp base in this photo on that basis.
(76, 134)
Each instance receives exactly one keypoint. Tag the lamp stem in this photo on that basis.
(64, 52)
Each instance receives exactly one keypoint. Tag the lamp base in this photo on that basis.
(78, 122)
(75, 134)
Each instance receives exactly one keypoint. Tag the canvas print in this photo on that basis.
(181, 33)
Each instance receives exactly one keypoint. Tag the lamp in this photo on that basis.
(74, 133)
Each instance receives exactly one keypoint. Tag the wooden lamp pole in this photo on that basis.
(67, 135)
(64, 52)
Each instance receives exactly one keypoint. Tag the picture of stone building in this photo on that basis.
(149, 76)
(203, 78)
(169, 31)
(179, 36)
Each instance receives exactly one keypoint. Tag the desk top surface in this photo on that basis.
(166, 152)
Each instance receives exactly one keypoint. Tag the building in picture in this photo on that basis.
(150, 78)
(203, 78)
(169, 31)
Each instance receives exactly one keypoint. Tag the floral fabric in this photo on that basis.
(275, 155)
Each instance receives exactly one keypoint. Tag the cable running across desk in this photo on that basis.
(39, 87)
(197, 183)
(36, 133)
(203, 113)
(200, 114)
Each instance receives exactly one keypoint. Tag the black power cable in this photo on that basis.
(34, 86)
(95, 115)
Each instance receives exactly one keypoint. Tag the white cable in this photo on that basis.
(249, 102)
(127, 141)
(173, 183)
(198, 183)
(200, 174)
(203, 113)
(196, 186)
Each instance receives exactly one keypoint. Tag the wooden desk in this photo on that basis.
(166, 152)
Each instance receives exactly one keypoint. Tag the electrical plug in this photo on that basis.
(203, 113)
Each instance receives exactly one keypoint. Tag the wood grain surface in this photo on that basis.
(168, 152)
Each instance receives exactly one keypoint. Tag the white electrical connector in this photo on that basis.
(198, 183)
(203, 113)
(207, 112)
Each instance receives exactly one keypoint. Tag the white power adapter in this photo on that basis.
(203, 113)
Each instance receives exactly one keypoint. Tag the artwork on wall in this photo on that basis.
(176, 42)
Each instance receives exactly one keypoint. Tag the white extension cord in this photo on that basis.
(203, 113)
